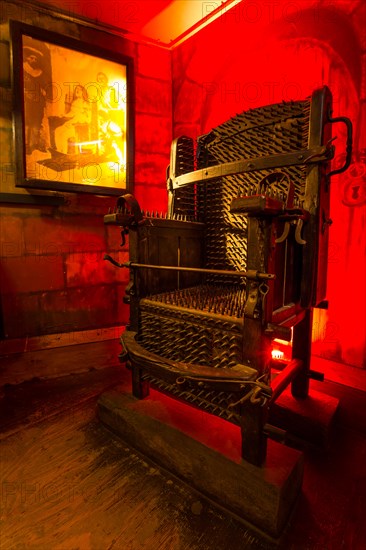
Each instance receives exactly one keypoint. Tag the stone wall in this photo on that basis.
(259, 53)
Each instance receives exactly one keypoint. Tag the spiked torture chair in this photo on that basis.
(239, 260)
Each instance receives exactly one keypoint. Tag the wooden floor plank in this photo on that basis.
(70, 484)
(55, 363)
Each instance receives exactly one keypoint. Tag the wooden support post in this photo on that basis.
(254, 440)
(140, 388)
(301, 349)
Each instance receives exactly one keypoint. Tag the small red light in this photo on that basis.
(277, 354)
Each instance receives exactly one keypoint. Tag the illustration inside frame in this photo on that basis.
(75, 116)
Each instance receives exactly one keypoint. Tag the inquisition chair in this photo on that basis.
(239, 260)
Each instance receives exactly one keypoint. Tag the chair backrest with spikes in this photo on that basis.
(265, 137)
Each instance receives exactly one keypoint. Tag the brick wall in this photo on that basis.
(53, 277)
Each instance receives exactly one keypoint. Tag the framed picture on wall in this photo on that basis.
(73, 121)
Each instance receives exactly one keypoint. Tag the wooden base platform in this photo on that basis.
(69, 483)
(204, 451)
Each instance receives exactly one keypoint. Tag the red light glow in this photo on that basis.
(281, 351)
(277, 354)
(284, 53)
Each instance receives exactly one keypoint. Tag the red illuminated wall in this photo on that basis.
(260, 53)
(53, 278)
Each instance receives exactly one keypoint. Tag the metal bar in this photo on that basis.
(251, 274)
(315, 154)
(202, 315)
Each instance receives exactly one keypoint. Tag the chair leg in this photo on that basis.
(301, 349)
(140, 388)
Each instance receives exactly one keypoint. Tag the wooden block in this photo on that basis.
(310, 419)
(204, 451)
